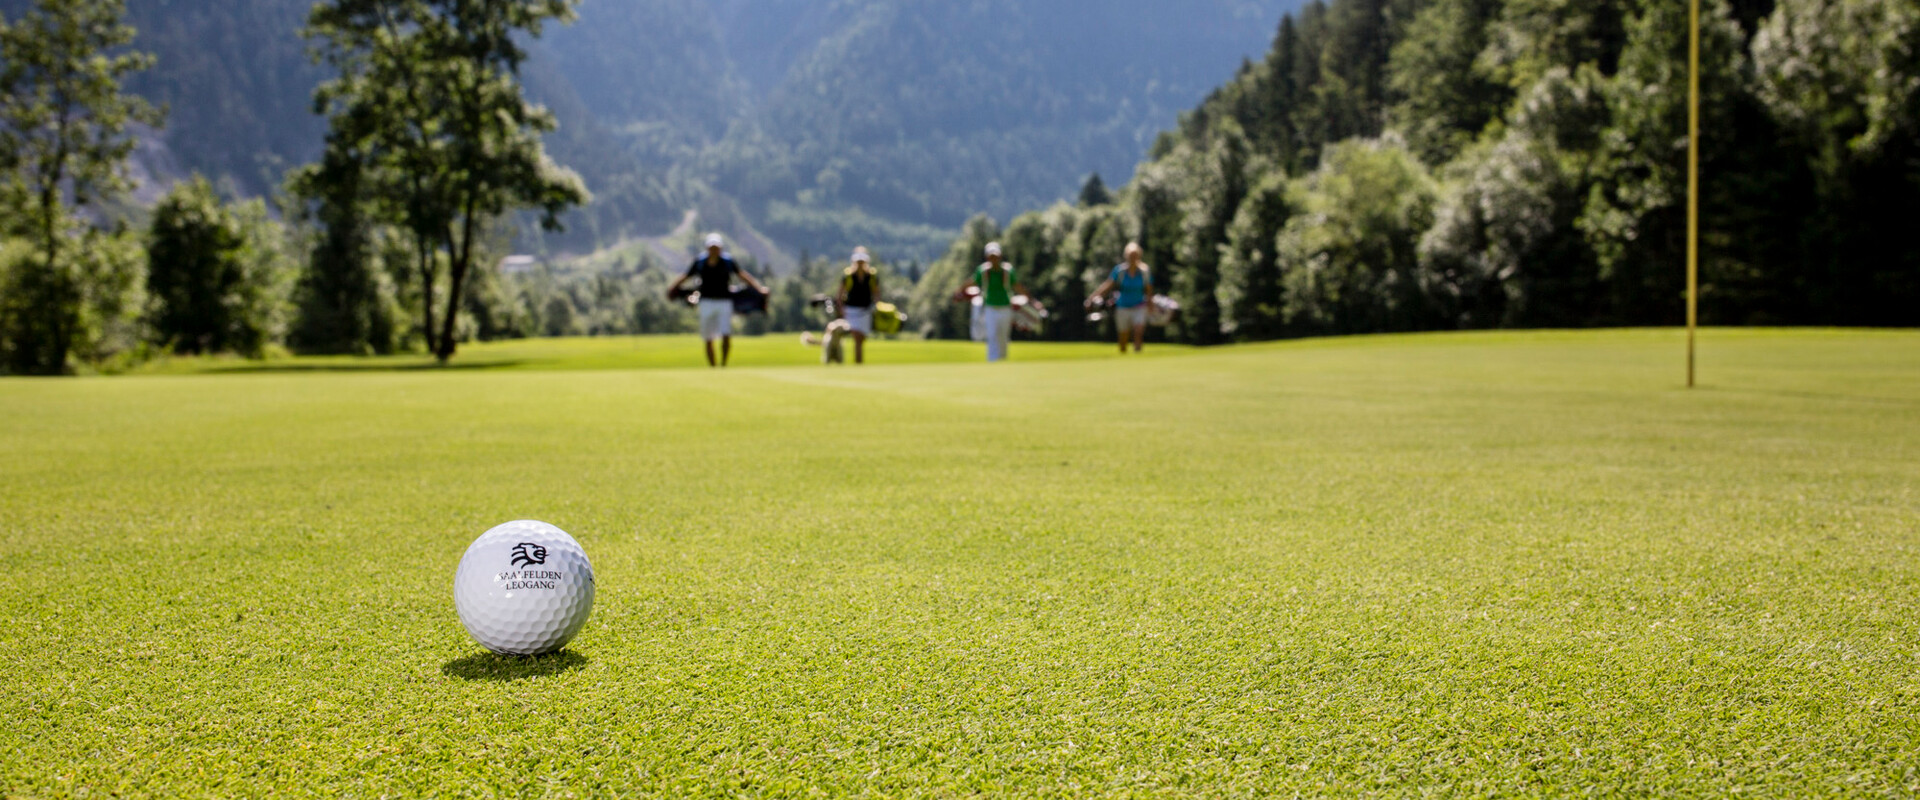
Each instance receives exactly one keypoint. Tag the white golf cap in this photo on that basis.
(993, 248)
(715, 240)
(860, 255)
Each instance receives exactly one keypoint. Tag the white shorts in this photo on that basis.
(1130, 318)
(716, 319)
(861, 320)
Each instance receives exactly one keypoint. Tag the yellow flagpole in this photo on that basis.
(1693, 184)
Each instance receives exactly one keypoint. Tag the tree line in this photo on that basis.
(1398, 165)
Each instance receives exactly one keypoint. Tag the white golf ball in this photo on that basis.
(524, 588)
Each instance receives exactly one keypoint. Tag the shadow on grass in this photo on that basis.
(494, 667)
(249, 369)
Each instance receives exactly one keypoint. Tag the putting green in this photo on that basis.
(1482, 563)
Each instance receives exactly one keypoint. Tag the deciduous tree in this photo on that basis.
(206, 295)
(64, 140)
(429, 91)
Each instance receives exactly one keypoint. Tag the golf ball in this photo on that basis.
(524, 588)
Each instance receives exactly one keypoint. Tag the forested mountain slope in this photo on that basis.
(927, 112)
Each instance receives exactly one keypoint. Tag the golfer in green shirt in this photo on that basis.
(995, 283)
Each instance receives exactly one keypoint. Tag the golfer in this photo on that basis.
(859, 290)
(995, 283)
(1132, 283)
(716, 272)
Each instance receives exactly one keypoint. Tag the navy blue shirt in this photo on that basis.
(716, 278)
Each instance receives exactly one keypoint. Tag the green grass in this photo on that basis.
(640, 352)
(1501, 564)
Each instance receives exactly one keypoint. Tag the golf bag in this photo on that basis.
(977, 322)
(887, 318)
(1162, 311)
(1028, 316)
(1097, 308)
(749, 300)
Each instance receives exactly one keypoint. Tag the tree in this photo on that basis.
(1636, 217)
(1279, 137)
(205, 297)
(1250, 292)
(64, 141)
(1443, 99)
(1842, 77)
(1350, 252)
(1094, 194)
(1220, 184)
(429, 90)
(342, 304)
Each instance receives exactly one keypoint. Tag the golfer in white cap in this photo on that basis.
(859, 290)
(716, 272)
(996, 285)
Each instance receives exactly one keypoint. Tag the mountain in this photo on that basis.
(236, 80)
(817, 120)
(897, 119)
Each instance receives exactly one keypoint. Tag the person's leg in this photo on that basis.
(726, 349)
(1121, 326)
(859, 348)
(999, 332)
(1139, 338)
(709, 331)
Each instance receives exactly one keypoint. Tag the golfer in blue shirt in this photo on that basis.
(1132, 284)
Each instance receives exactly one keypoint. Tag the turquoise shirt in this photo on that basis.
(1133, 288)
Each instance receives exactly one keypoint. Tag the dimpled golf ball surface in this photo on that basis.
(524, 588)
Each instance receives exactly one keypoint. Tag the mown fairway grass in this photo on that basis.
(1488, 564)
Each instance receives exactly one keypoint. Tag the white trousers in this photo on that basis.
(999, 324)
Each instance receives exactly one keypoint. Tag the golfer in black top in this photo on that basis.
(716, 272)
(859, 290)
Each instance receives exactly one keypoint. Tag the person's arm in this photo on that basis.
(1149, 287)
(742, 272)
(840, 301)
(1100, 293)
(682, 281)
(972, 283)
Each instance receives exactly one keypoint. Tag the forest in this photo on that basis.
(1400, 165)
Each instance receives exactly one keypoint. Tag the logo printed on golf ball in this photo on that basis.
(526, 554)
(520, 611)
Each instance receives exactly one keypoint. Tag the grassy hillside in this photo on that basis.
(1468, 564)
